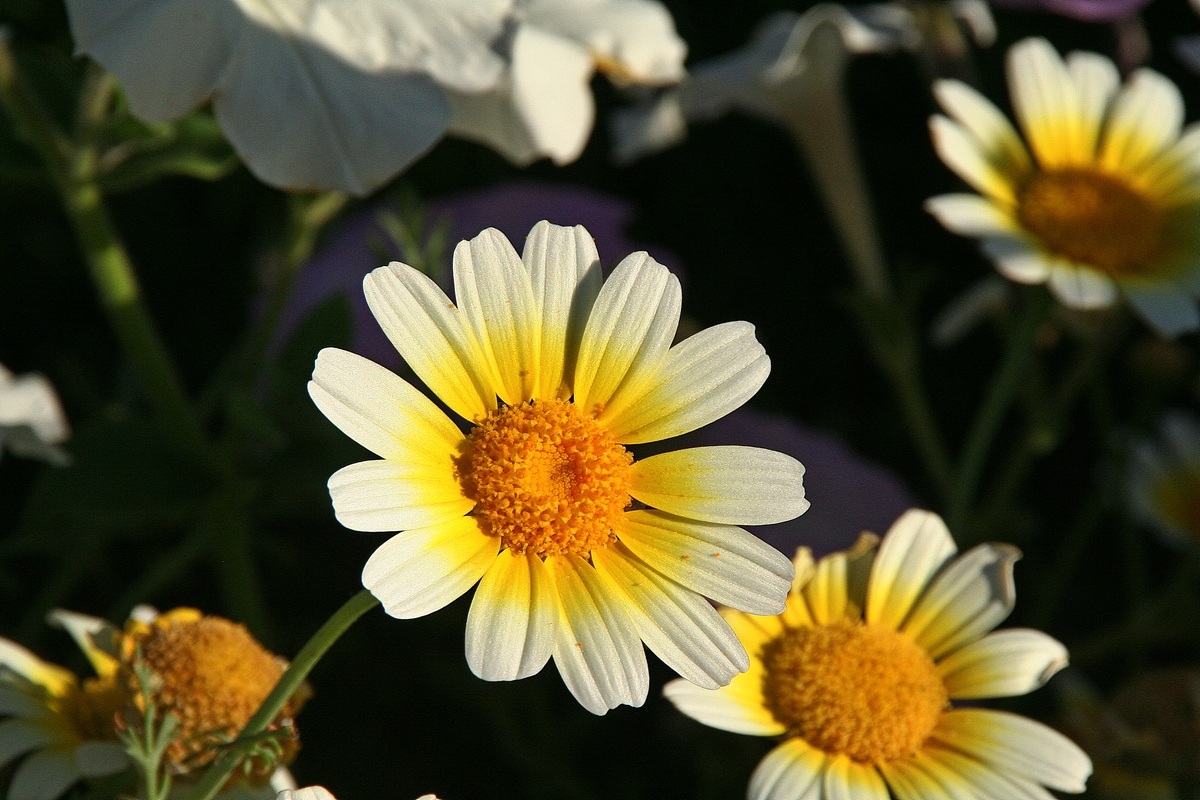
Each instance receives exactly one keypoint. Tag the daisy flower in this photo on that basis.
(321, 793)
(858, 676)
(1105, 197)
(1164, 479)
(580, 552)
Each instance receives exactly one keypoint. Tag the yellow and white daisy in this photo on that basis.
(1105, 197)
(580, 551)
(1164, 480)
(859, 674)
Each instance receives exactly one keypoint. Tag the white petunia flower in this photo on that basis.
(311, 93)
(32, 422)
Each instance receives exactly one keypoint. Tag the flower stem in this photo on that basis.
(305, 660)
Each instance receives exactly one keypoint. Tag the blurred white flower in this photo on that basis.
(336, 94)
(321, 793)
(543, 105)
(1163, 489)
(32, 422)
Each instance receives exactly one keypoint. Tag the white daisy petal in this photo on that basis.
(1146, 118)
(915, 548)
(1002, 664)
(792, 771)
(727, 484)
(1017, 259)
(381, 411)
(991, 130)
(827, 591)
(1047, 104)
(496, 300)
(419, 571)
(44, 775)
(1077, 286)
(394, 496)
(628, 332)
(17, 703)
(680, 626)
(428, 331)
(1017, 746)
(19, 736)
(307, 793)
(971, 215)
(849, 780)
(97, 759)
(703, 378)
(596, 649)
(1096, 80)
(733, 567)
(1166, 308)
(564, 269)
(938, 773)
(968, 598)
(510, 628)
(53, 678)
(725, 708)
(961, 152)
(94, 636)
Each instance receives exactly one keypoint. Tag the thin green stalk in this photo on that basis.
(1022, 339)
(312, 652)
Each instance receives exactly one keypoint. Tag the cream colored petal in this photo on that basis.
(428, 331)
(914, 549)
(1146, 118)
(510, 627)
(678, 625)
(97, 759)
(18, 737)
(1002, 664)
(382, 496)
(962, 153)
(596, 648)
(827, 591)
(792, 771)
(1078, 286)
(849, 780)
(968, 598)
(1047, 105)
(496, 301)
(725, 708)
(564, 270)
(44, 775)
(307, 793)
(971, 215)
(1014, 745)
(416, 572)
(96, 637)
(1167, 308)
(628, 332)
(381, 411)
(993, 134)
(1018, 259)
(703, 378)
(731, 566)
(1173, 177)
(937, 773)
(1096, 81)
(53, 678)
(729, 484)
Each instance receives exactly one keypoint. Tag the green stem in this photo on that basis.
(305, 660)
(1022, 338)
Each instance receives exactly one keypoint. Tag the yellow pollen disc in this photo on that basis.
(1095, 219)
(212, 675)
(1177, 496)
(861, 690)
(546, 478)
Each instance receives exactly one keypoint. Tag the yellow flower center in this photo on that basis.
(861, 690)
(1095, 219)
(1177, 496)
(546, 478)
(212, 675)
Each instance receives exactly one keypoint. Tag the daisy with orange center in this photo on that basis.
(1105, 197)
(581, 552)
(860, 672)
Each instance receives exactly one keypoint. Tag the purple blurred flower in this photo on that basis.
(1086, 10)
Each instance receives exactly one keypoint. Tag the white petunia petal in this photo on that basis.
(1017, 259)
(496, 301)
(564, 270)
(728, 484)
(1002, 664)
(394, 496)
(1167, 308)
(428, 331)
(97, 759)
(596, 649)
(678, 625)
(792, 771)
(1016, 746)
(968, 598)
(45, 775)
(728, 710)
(703, 378)
(416, 572)
(628, 332)
(914, 549)
(733, 567)
(510, 628)
(971, 215)
(1077, 286)
(1146, 118)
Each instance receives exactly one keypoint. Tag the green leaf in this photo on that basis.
(140, 153)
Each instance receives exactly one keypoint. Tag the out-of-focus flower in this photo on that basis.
(1109, 198)
(543, 107)
(356, 85)
(534, 502)
(859, 673)
(321, 793)
(1164, 480)
(1086, 10)
(32, 422)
